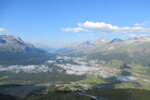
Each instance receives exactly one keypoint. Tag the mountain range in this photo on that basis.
(132, 50)
(13, 50)
(100, 41)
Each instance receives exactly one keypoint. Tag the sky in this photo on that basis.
(54, 23)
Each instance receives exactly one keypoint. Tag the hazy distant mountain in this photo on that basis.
(133, 50)
(12, 48)
(88, 43)
(116, 40)
(137, 40)
(76, 47)
(101, 41)
(104, 41)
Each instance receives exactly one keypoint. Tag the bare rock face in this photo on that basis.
(13, 43)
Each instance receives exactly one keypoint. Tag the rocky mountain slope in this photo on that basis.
(13, 49)
(14, 44)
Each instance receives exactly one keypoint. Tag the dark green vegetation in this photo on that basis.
(21, 91)
(37, 78)
(31, 92)
(7, 97)
(121, 94)
(58, 96)
(112, 94)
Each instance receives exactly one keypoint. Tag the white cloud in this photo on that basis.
(75, 69)
(96, 26)
(83, 68)
(134, 30)
(104, 27)
(4, 30)
(78, 29)
(26, 69)
(141, 24)
(135, 35)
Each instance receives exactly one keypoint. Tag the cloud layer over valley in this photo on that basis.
(26, 69)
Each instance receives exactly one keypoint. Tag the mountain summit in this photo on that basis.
(116, 40)
(14, 44)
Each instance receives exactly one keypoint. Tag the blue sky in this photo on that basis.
(56, 22)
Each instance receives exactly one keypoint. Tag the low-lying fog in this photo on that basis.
(80, 68)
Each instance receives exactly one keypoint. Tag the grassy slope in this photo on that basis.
(121, 94)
